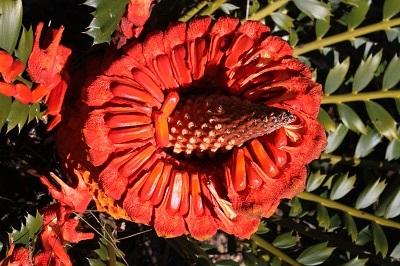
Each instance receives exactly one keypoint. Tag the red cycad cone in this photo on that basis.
(204, 126)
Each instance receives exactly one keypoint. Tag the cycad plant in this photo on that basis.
(52, 141)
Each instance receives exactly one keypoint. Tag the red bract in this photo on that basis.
(46, 68)
(204, 126)
(131, 25)
(16, 257)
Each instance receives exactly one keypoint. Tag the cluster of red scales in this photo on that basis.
(204, 126)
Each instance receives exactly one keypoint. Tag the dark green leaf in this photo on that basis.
(295, 208)
(25, 45)
(336, 138)
(96, 262)
(5, 103)
(313, 8)
(380, 241)
(351, 119)
(286, 240)
(226, 263)
(105, 19)
(34, 112)
(27, 232)
(316, 254)
(390, 8)
(18, 115)
(356, 262)
(102, 252)
(262, 228)
(323, 218)
(364, 236)
(392, 74)
(357, 14)
(367, 143)
(365, 72)
(351, 226)
(10, 23)
(382, 120)
(336, 76)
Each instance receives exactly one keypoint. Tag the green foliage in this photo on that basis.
(106, 18)
(28, 230)
(15, 114)
(10, 23)
(316, 254)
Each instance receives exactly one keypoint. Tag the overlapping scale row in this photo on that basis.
(127, 134)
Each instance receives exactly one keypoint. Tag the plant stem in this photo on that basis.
(350, 210)
(364, 96)
(273, 250)
(192, 12)
(213, 7)
(266, 11)
(348, 35)
(112, 261)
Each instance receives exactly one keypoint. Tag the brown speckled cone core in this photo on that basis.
(208, 123)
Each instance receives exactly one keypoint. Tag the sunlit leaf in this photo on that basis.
(351, 226)
(357, 14)
(393, 150)
(336, 138)
(392, 208)
(382, 120)
(370, 194)
(343, 185)
(326, 120)
(396, 252)
(392, 73)
(336, 76)
(10, 23)
(313, 8)
(380, 241)
(351, 119)
(282, 20)
(315, 180)
(227, 8)
(367, 143)
(390, 8)
(316, 254)
(322, 27)
(365, 71)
